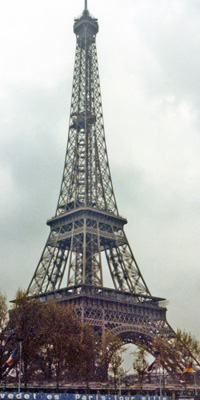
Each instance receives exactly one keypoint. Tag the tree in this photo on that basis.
(3, 336)
(115, 365)
(140, 363)
(3, 311)
(169, 355)
(188, 345)
(177, 352)
(56, 345)
(87, 354)
(61, 338)
(108, 344)
(25, 320)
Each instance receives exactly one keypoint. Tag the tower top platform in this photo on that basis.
(86, 20)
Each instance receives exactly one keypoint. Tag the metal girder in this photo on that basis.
(87, 223)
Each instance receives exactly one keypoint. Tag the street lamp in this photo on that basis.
(157, 355)
(20, 340)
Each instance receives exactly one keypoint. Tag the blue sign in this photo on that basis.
(68, 396)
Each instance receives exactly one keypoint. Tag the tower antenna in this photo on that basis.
(85, 4)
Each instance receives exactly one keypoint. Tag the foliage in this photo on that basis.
(61, 334)
(25, 320)
(56, 346)
(3, 336)
(168, 354)
(115, 365)
(140, 363)
(188, 345)
(177, 352)
(84, 364)
(3, 311)
(109, 344)
(51, 335)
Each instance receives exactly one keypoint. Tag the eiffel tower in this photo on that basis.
(87, 234)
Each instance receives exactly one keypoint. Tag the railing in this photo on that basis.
(103, 293)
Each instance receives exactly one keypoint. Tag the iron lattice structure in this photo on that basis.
(87, 223)
(87, 229)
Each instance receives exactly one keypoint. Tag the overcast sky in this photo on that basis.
(149, 63)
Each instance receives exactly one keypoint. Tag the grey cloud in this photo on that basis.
(151, 150)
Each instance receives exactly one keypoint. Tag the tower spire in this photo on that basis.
(85, 5)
